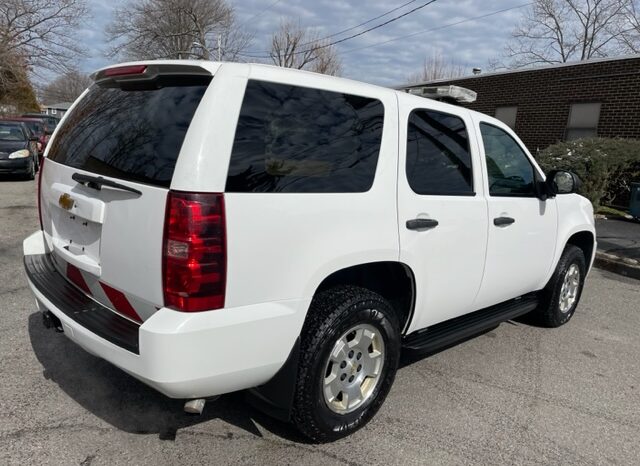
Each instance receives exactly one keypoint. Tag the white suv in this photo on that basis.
(214, 227)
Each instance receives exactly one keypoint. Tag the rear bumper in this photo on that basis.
(182, 355)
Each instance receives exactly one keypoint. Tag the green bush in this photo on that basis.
(606, 166)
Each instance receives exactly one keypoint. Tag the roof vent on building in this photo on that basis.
(454, 94)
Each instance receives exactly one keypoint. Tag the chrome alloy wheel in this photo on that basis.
(569, 290)
(353, 368)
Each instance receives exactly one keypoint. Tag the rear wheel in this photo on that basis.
(562, 293)
(350, 347)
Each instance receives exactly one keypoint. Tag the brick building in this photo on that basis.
(561, 102)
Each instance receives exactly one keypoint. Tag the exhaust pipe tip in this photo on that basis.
(194, 406)
(49, 320)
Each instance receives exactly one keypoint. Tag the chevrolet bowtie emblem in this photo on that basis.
(65, 201)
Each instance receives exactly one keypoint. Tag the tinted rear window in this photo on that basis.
(296, 139)
(133, 134)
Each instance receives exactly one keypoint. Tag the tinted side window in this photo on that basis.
(509, 169)
(295, 139)
(438, 158)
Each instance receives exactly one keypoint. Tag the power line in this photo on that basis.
(257, 15)
(359, 25)
(437, 28)
(395, 18)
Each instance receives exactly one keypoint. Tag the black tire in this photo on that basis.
(550, 313)
(31, 174)
(331, 314)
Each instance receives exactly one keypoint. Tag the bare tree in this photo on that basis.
(559, 31)
(39, 34)
(630, 38)
(295, 47)
(66, 87)
(144, 29)
(436, 66)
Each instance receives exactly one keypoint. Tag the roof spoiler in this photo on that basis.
(146, 72)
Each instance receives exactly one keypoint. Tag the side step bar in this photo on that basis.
(451, 331)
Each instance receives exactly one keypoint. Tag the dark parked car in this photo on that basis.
(50, 120)
(39, 127)
(18, 149)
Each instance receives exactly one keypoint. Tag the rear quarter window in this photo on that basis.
(130, 133)
(297, 139)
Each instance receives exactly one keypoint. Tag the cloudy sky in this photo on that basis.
(471, 43)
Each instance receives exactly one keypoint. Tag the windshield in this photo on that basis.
(133, 134)
(34, 126)
(11, 133)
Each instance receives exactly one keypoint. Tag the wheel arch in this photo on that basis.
(392, 280)
(585, 240)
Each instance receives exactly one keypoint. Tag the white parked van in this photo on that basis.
(214, 227)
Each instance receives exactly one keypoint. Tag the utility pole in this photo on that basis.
(219, 48)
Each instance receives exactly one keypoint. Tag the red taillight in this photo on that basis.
(40, 191)
(125, 70)
(194, 252)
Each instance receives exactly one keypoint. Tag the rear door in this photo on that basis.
(442, 211)
(129, 130)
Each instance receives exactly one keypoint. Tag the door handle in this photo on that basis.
(421, 223)
(501, 221)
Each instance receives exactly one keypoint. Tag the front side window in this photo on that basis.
(438, 157)
(296, 139)
(510, 172)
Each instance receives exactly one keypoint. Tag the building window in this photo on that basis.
(583, 121)
(53, 111)
(507, 115)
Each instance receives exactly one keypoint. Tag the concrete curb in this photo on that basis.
(620, 265)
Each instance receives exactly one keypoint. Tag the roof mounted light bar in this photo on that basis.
(455, 94)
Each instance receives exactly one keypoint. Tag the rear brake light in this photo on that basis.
(125, 70)
(194, 252)
(40, 191)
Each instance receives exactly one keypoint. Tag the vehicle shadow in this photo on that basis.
(7, 177)
(129, 405)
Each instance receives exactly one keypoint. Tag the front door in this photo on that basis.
(522, 228)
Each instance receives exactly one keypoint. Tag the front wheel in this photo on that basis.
(31, 170)
(562, 293)
(350, 347)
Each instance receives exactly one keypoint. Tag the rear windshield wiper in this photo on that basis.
(97, 182)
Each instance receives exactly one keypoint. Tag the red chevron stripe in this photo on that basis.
(120, 302)
(74, 274)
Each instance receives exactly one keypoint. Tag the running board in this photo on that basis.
(454, 330)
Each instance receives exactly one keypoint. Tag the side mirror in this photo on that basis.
(562, 182)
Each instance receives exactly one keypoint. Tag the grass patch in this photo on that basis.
(611, 212)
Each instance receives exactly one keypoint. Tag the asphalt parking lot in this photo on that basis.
(515, 395)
